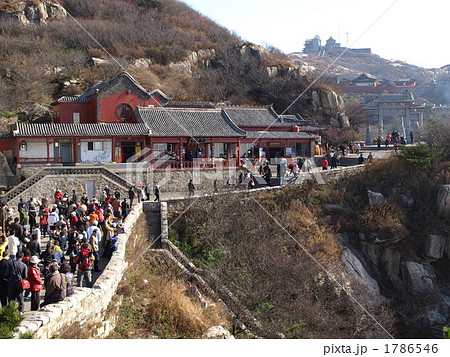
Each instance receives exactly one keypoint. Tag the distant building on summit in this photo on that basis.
(313, 45)
(331, 44)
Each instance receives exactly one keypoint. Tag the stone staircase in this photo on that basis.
(66, 171)
(152, 212)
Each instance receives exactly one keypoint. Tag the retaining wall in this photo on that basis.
(45, 188)
(86, 304)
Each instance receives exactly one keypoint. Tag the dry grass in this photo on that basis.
(154, 302)
(387, 219)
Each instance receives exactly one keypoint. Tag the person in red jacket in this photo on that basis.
(58, 195)
(324, 164)
(36, 283)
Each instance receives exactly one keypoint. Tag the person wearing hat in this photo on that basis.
(55, 285)
(36, 283)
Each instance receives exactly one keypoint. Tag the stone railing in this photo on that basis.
(85, 172)
(86, 304)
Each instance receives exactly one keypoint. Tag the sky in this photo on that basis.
(414, 31)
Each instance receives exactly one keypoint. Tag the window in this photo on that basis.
(124, 112)
(76, 118)
(95, 145)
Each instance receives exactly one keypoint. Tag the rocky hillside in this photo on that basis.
(383, 233)
(45, 54)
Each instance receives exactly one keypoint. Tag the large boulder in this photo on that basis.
(359, 274)
(418, 277)
(375, 198)
(434, 247)
(181, 66)
(443, 201)
(343, 120)
(372, 252)
(316, 99)
(218, 332)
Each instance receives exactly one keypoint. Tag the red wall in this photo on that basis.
(109, 105)
(7, 144)
(87, 112)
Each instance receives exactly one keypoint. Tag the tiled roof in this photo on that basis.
(395, 98)
(72, 100)
(100, 86)
(256, 117)
(55, 130)
(188, 122)
(279, 135)
(295, 120)
(183, 104)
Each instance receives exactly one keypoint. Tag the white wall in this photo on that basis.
(93, 156)
(36, 150)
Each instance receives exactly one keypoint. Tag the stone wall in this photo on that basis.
(176, 180)
(87, 304)
(46, 187)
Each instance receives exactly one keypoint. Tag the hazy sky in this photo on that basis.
(415, 31)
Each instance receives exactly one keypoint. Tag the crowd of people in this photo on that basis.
(393, 139)
(81, 232)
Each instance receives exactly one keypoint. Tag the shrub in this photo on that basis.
(10, 318)
(420, 156)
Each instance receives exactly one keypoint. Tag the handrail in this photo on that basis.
(17, 190)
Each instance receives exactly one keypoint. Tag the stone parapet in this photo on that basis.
(86, 304)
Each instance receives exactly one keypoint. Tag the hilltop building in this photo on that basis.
(314, 46)
(119, 121)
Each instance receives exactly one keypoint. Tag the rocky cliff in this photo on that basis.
(36, 12)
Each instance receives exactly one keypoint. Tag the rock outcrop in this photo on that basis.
(443, 201)
(218, 332)
(434, 247)
(359, 274)
(419, 277)
(331, 105)
(375, 198)
(37, 12)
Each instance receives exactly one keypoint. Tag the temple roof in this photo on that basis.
(254, 117)
(279, 135)
(188, 122)
(70, 130)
